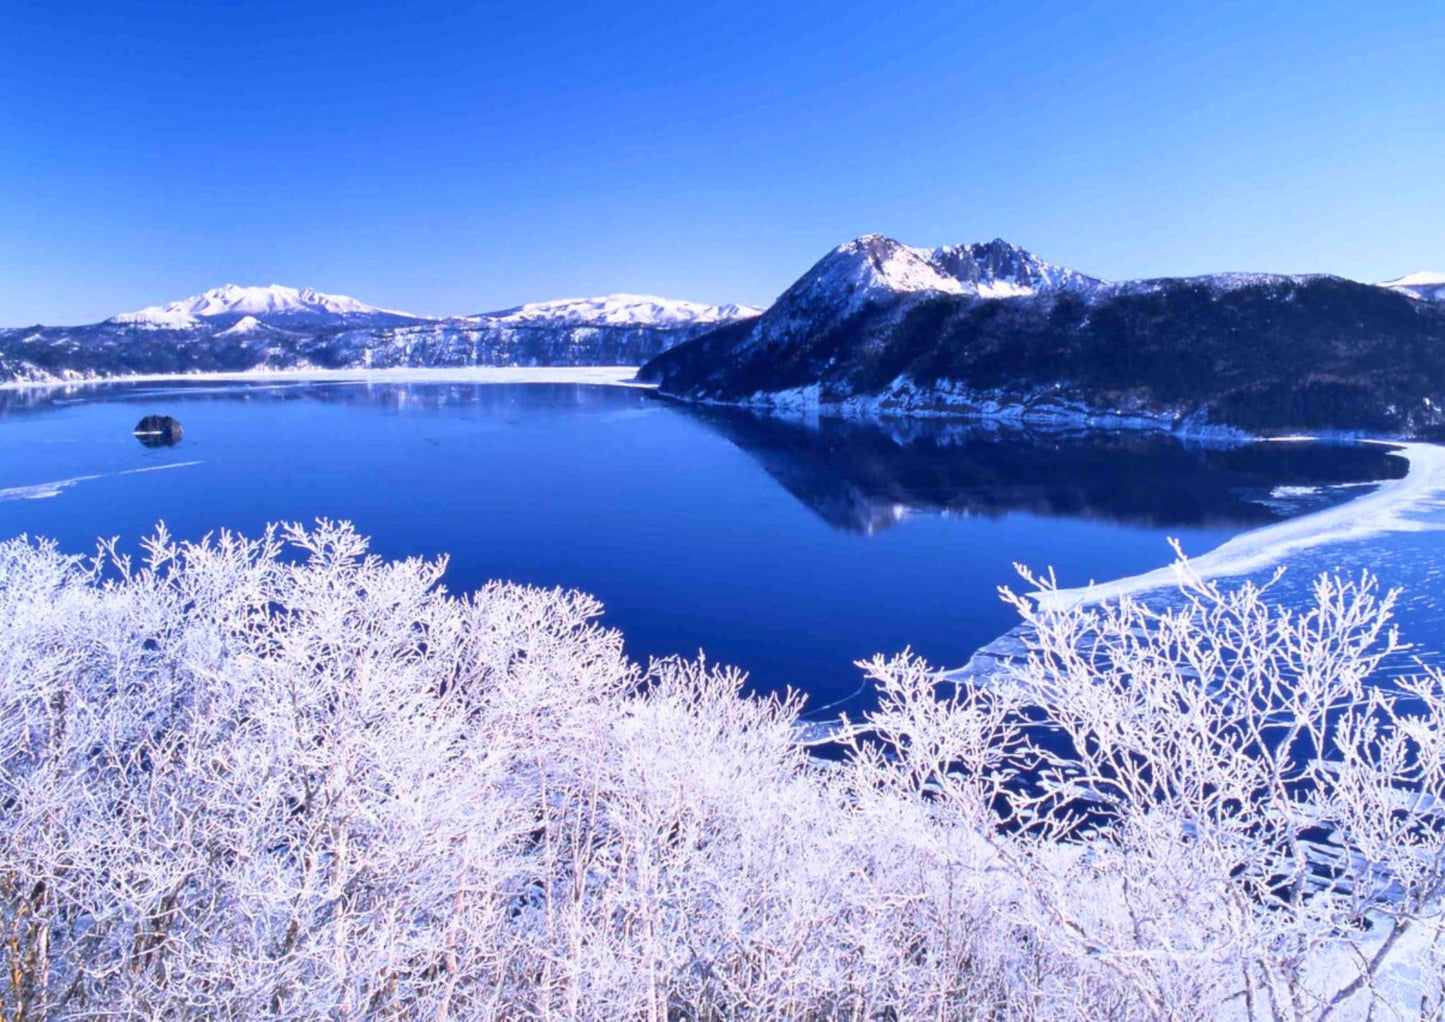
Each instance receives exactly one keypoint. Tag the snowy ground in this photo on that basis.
(612, 376)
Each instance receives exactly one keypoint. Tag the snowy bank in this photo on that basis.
(1395, 506)
(1390, 508)
(608, 376)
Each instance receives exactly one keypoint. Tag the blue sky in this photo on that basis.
(453, 158)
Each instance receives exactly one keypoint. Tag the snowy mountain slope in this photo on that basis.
(874, 269)
(230, 303)
(1425, 285)
(874, 265)
(246, 326)
(998, 269)
(618, 310)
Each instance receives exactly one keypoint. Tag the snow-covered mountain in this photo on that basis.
(230, 303)
(874, 269)
(867, 285)
(989, 330)
(619, 310)
(997, 269)
(250, 326)
(870, 268)
(1425, 285)
(234, 328)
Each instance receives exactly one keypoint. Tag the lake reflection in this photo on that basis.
(862, 476)
(790, 549)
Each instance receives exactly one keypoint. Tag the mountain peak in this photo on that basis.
(626, 310)
(1001, 269)
(232, 302)
(1425, 285)
(876, 266)
(246, 325)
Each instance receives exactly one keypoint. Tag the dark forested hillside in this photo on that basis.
(1261, 353)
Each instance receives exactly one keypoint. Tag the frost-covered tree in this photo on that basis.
(280, 777)
(1210, 809)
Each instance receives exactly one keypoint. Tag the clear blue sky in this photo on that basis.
(448, 157)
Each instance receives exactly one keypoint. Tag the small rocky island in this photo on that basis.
(159, 431)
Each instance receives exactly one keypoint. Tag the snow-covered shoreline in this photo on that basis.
(1042, 409)
(609, 376)
(1385, 509)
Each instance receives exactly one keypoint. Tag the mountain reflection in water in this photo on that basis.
(863, 476)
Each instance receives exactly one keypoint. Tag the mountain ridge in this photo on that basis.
(619, 310)
(231, 302)
(234, 328)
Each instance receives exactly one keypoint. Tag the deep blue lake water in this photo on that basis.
(785, 547)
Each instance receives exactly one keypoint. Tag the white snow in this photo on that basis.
(999, 269)
(1425, 285)
(624, 310)
(1003, 289)
(39, 491)
(1285, 492)
(159, 318)
(1415, 279)
(875, 263)
(902, 399)
(909, 269)
(597, 376)
(618, 310)
(875, 266)
(232, 299)
(245, 325)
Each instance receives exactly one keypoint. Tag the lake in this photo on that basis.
(788, 547)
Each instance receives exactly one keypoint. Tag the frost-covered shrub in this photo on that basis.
(283, 778)
(1261, 822)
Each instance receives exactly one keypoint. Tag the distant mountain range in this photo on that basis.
(235, 328)
(990, 331)
(875, 328)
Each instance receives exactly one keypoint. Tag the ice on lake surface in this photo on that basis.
(789, 548)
